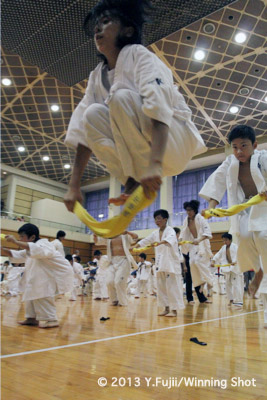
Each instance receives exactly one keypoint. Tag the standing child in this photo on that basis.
(143, 273)
(58, 242)
(131, 103)
(234, 278)
(46, 275)
(170, 295)
(100, 284)
(244, 174)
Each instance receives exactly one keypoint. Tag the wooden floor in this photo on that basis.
(135, 345)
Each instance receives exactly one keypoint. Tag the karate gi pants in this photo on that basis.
(251, 246)
(199, 266)
(142, 288)
(120, 137)
(170, 291)
(100, 287)
(117, 276)
(234, 287)
(41, 309)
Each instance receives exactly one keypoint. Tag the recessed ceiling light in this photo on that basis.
(240, 37)
(6, 82)
(21, 149)
(244, 91)
(209, 28)
(234, 109)
(4, 172)
(265, 99)
(46, 158)
(100, 215)
(199, 55)
(55, 107)
(67, 166)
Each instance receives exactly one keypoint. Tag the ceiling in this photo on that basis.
(210, 86)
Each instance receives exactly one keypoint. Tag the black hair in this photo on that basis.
(163, 213)
(153, 258)
(143, 255)
(132, 13)
(177, 230)
(29, 230)
(61, 234)
(227, 236)
(69, 257)
(242, 131)
(6, 262)
(194, 204)
(97, 253)
(77, 258)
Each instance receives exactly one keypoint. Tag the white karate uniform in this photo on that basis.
(119, 269)
(78, 279)
(59, 246)
(250, 224)
(11, 283)
(143, 274)
(234, 277)
(263, 293)
(153, 280)
(199, 255)
(115, 123)
(100, 284)
(170, 291)
(46, 274)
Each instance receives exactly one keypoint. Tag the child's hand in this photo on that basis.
(151, 184)
(264, 194)
(72, 195)
(203, 213)
(11, 239)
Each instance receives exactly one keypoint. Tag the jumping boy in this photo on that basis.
(132, 116)
(244, 174)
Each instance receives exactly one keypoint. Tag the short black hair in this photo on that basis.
(61, 234)
(163, 213)
(242, 131)
(194, 204)
(69, 257)
(6, 262)
(30, 230)
(227, 236)
(97, 253)
(77, 258)
(143, 255)
(177, 230)
(132, 13)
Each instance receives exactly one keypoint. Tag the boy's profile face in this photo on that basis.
(24, 238)
(160, 221)
(227, 241)
(141, 259)
(243, 149)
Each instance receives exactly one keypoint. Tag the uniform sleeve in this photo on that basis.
(18, 256)
(41, 250)
(171, 238)
(206, 231)
(76, 133)
(147, 241)
(155, 85)
(217, 257)
(215, 186)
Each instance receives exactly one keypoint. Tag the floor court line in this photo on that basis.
(124, 336)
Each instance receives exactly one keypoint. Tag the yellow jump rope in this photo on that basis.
(117, 225)
(220, 212)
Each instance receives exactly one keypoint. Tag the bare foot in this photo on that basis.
(29, 322)
(254, 285)
(119, 201)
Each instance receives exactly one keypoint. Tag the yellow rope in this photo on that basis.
(185, 242)
(2, 236)
(116, 226)
(220, 212)
(221, 265)
(141, 249)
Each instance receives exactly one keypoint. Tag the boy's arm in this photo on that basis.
(74, 192)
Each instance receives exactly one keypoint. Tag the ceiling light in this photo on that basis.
(6, 82)
(55, 107)
(21, 149)
(240, 37)
(100, 215)
(67, 166)
(234, 109)
(265, 99)
(199, 55)
(244, 91)
(46, 158)
(4, 172)
(209, 28)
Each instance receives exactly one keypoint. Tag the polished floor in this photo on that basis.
(135, 355)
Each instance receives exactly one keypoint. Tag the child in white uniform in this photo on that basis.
(136, 107)
(234, 277)
(170, 295)
(143, 274)
(58, 242)
(100, 284)
(244, 174)
(11, 285)
(263, 292)
(46, 274)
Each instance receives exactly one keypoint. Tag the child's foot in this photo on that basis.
(207, 302)
(165, 312)
(114, 303)
(254, 285)
(97, 298)
(29, 322)
(191, 302)
(238, 304)
(48, 324)
(172, 313)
